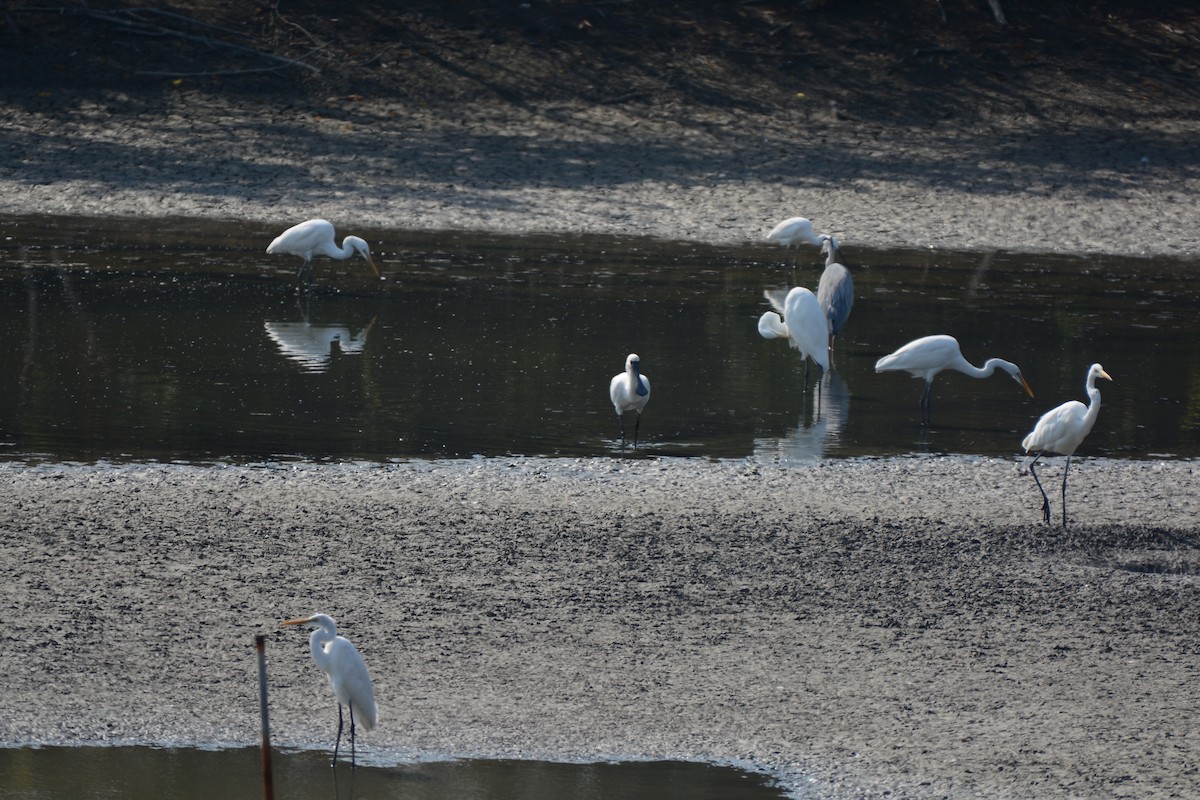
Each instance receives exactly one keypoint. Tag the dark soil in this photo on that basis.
(918, 62)
(1073, 128)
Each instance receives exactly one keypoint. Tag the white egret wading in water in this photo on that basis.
(341, 661)
(929, 355)
(835, 292)
(1061, 430)
(630, 391)
(793, 233)
(315, 237)
(803, 324)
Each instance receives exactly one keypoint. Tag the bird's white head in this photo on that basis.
(1097, 371)
(829, 245)
(363, 249)
(770, 326)
(1014, 371)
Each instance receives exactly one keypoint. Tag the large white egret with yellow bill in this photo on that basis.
(338, 658)
(1061, 430)
(315, 237)
(924, 358)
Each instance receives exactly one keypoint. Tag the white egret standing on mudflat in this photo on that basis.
(338, 658)
(1061, 430)
(926, 357)
(315, 237)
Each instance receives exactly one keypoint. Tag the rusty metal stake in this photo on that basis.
(260, 644)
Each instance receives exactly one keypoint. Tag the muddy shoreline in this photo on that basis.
(864, 628)
(706, 175)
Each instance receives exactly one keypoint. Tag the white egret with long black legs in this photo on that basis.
(925, 357)
(802, 323)
(630, 391)
(1061, 430)
(338, 658)
(794, 232)
(315, 237)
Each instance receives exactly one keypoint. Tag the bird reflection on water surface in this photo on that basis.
(313, 346)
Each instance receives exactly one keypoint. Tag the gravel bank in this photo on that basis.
(860, 627)
(707, 176)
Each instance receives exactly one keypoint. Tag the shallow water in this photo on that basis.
(141, 773)
(134, 339)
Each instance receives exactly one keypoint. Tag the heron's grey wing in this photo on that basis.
(836, 293)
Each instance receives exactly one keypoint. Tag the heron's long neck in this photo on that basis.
(316, 643)
(1093, 409)
(967, 368)
(333, 250)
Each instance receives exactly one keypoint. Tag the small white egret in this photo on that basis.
(929, 355)
(341, 661)
(630, 391)
(1061, 430)
(835, 290)
(794, 232)
(803, 324)
(315, 237)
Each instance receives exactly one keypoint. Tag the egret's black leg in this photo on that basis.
(351, 737)
(926, 415)
(1064, 492)
(304, 272)
(637, 423)
(1045, 499)
(621, 419)
(338, 741)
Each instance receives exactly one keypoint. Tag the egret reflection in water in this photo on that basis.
(811, 438)
(314, 346)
